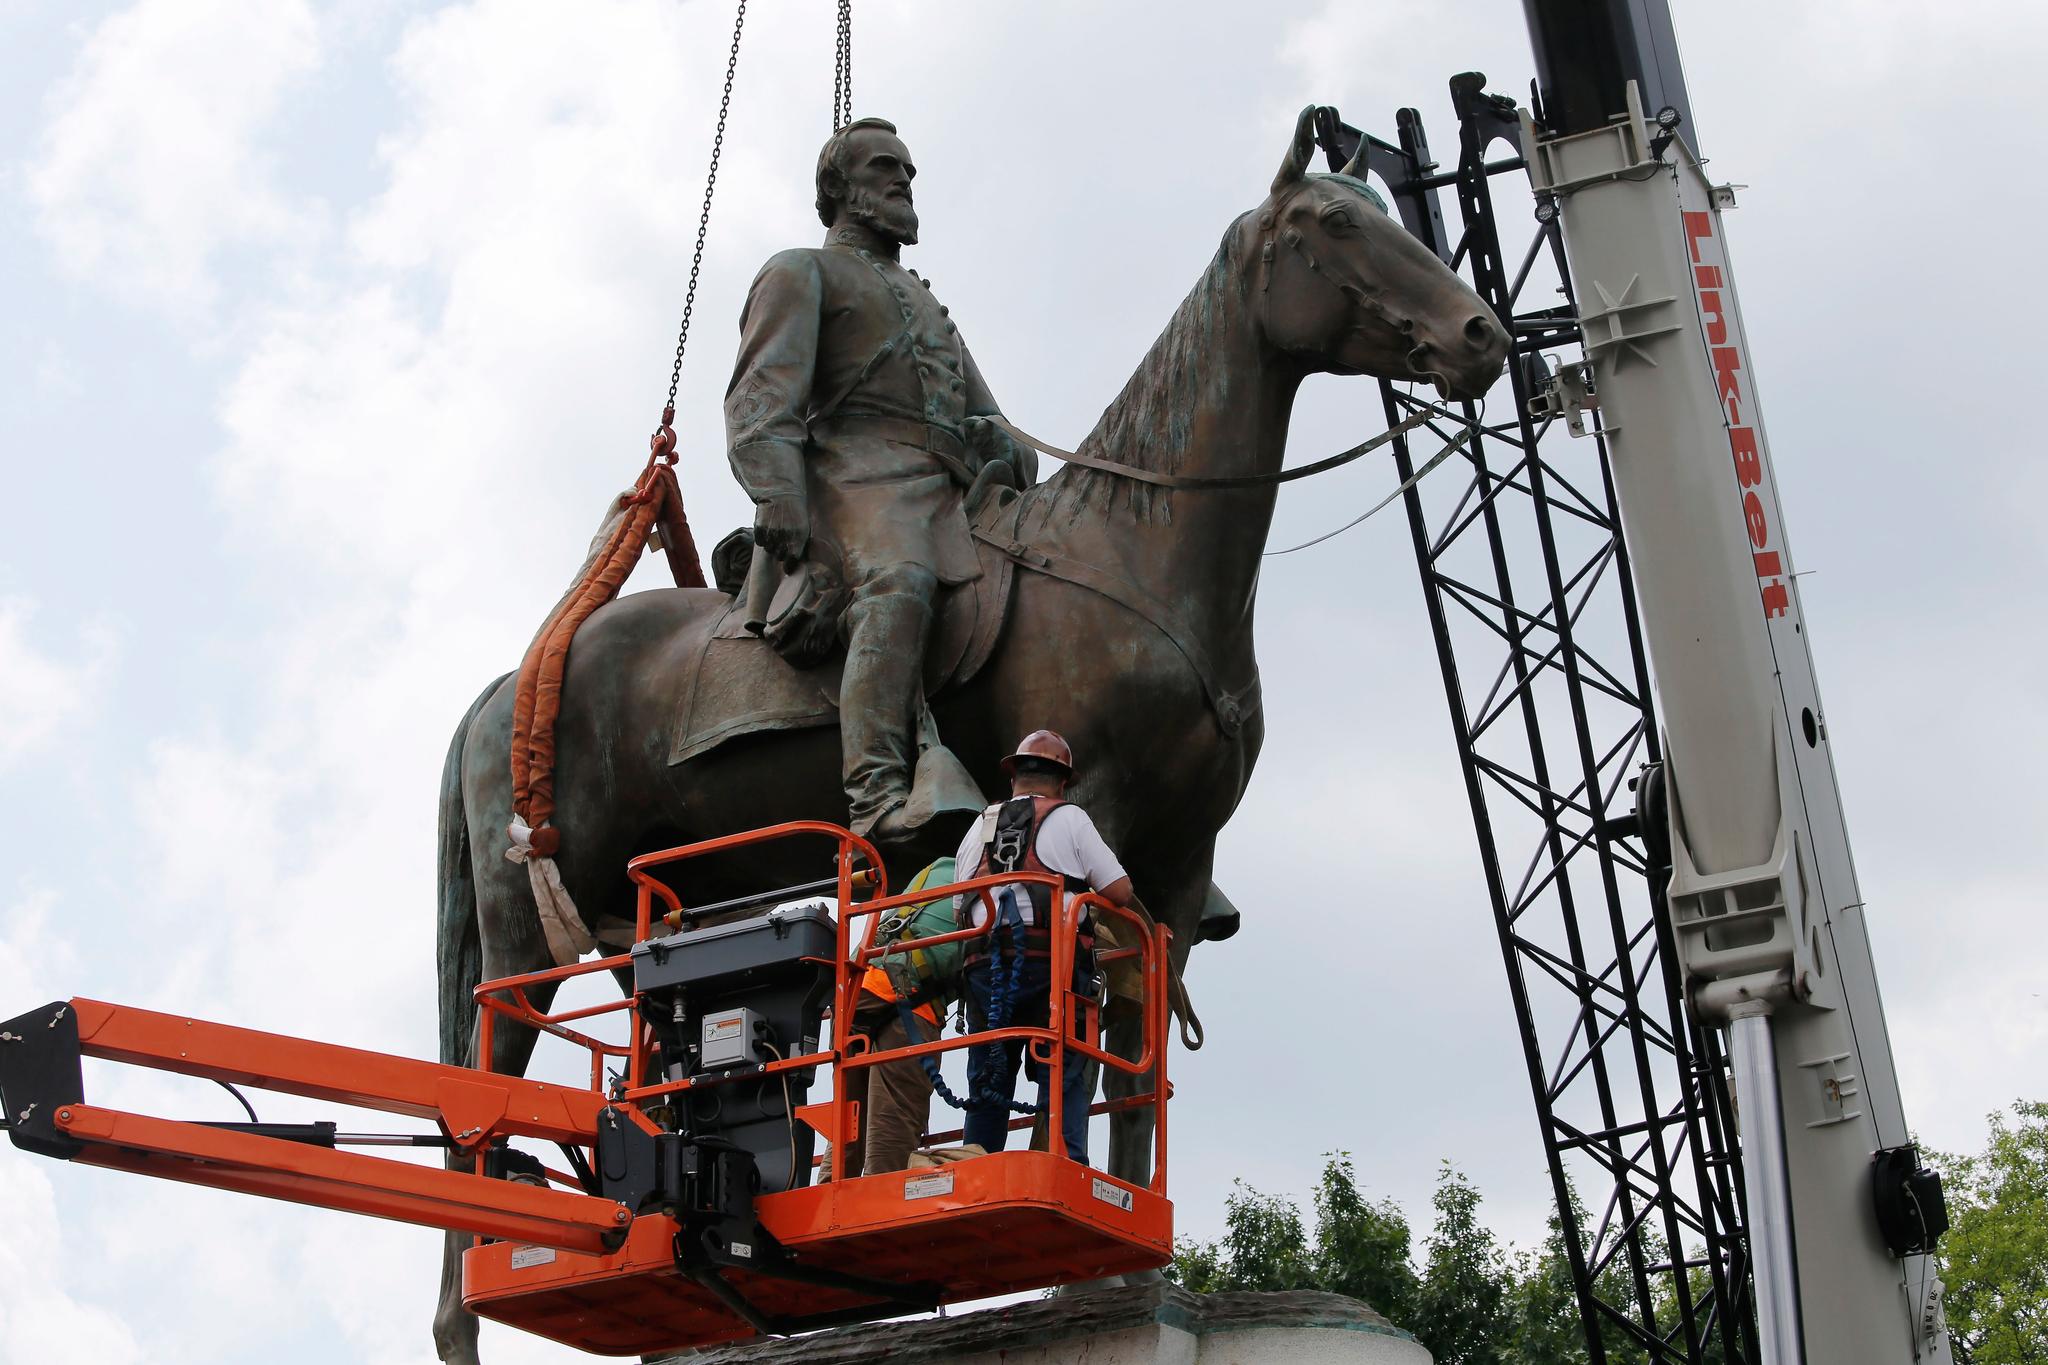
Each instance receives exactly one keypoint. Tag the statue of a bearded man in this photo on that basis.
(854, 421)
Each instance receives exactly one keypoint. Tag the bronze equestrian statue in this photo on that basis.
(1115, 611)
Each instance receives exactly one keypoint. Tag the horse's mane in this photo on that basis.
(1151, 422)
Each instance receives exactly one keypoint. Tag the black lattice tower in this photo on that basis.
(1525, 576)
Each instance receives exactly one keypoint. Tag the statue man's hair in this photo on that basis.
(832, 157)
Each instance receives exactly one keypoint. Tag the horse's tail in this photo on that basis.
(458, 938)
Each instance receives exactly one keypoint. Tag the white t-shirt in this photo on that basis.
(1068, 843)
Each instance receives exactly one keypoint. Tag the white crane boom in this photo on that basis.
(1769, 923)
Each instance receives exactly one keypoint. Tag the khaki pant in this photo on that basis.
(895, 1098)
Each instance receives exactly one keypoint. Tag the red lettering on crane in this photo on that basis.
(1727, 381)
(1698, 227)
(1753, 513)
(1749, 467)
(1725, 353)
(1710, 310)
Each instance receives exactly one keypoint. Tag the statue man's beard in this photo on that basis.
(893, 218)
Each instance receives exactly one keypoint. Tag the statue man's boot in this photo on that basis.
(881, 707)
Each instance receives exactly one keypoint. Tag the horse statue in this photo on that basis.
(1125, 623)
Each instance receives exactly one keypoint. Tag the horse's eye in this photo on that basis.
(1340, 223)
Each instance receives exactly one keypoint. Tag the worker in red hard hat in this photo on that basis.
(1009, 972)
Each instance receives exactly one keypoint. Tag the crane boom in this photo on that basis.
(1766, 915)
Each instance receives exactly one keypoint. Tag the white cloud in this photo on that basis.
(39, 692)
(154, 161)
(33, 953)
(40, 1318)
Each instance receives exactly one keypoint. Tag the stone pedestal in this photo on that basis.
(1149, 1324)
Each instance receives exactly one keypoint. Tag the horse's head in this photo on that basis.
(1344, 288)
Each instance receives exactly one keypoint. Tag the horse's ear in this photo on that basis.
(1295, 165)
(1356, 167)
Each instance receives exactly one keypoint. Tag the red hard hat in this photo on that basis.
(1044, 745)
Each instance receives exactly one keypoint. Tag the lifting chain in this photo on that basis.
(663, 442)
(842, 69)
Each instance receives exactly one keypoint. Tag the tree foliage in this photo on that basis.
(1472, 1302)
(1263, 1248)
(1543, 1307)
(1995, 1256)
(1461, 1307)
(1361, 1248)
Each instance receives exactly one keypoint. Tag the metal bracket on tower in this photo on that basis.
(1747, 937)
(1567, 393)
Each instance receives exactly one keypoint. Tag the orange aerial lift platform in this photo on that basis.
(689, 1213)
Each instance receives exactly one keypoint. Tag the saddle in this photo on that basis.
(737, 684)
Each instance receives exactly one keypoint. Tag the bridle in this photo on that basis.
(1360, 297)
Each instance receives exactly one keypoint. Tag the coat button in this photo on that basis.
(950, 327)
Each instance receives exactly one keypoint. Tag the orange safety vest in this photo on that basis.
(877, 983)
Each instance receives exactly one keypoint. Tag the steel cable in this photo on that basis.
(732, 61)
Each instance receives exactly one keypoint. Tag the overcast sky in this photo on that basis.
(328, 330)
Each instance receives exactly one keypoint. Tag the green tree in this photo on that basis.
(1543, 1306)
(1994, 1259)
(1361, 1248)
(1263, 1248)
(1461, 1306)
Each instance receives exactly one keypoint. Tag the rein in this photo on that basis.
(1190, 481)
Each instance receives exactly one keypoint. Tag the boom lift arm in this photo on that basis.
(689, 1215)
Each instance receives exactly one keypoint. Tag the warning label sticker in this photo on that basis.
(926, 1186)
(1112, 1194)
(522, 1257)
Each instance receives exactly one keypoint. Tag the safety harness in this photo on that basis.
(1012, 847)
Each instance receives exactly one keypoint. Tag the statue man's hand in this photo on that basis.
(993, 443)
(782, 527)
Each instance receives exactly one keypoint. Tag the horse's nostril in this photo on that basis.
(1480, 330)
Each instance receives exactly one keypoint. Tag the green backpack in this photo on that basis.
(924, 975)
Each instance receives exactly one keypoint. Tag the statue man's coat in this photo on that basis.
(849, 393)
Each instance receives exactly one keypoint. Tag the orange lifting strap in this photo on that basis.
(655, 502)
